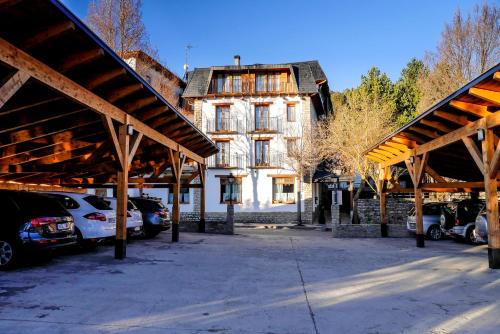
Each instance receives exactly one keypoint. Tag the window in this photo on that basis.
(220, 83)
(183, 196)
(260, 83)
(290, 112)
(236, 83)
(291, 146)
(227, 86)
(261, 117)
(283, 190)
(262, 153)
(277, 77)
(97, 202)
(222, 118)
(222, 157)
(226, 191)
(67, 201)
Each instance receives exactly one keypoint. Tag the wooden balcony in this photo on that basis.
(226, 125)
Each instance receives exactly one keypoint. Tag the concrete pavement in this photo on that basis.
(260, 281)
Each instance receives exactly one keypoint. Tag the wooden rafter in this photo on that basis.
(425, 132)
(474, 152)
(457, 119)
(102, 78)
(470, 108)
(437, 125)
(486, 95)
(47, 34)
(12, 86)
(122, 92)
(80, 58)
(16, 58)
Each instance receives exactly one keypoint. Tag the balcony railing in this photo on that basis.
(265, 125)
(249, 87)
(224, 125)
(271, 160)
(226, 161)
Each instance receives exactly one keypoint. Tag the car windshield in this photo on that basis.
(97, 202)
(39, 206)
(66, 201)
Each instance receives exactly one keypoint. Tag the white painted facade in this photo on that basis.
(256, 183)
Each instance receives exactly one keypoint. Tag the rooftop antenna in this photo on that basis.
(186, 65)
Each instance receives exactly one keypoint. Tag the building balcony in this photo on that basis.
(249, 88)
(272, 160)
(265, 125)
(225, 125)
(226, 161)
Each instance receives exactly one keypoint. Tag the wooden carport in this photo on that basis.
(73, 114)
(457, 139)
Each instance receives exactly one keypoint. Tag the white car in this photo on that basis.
(134, 216)
(94, 218)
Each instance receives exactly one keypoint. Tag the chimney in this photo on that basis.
(237, 60)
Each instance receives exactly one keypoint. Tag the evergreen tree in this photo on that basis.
(407, 95)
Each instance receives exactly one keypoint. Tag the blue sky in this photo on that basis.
(347, 37)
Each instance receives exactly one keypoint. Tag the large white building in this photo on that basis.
(257, 114)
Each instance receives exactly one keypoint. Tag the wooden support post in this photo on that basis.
(201, 172)
(491, 193)
(122, 194)
(419, 218)
(177, 165)
(382, 196)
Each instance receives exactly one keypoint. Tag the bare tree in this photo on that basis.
(469, 46)
(359, 122)
(119, 24)
(302, 155)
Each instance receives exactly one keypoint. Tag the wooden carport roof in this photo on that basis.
(458, 138)
(62, 94)
(440, 131)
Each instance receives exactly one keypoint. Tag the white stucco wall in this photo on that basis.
(257, 189)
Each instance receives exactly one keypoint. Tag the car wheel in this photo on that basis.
(8, 254)
(148, 233)
(470, 237)
(84, 244)
(434, 233)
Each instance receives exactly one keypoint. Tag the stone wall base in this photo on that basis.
(260, 217)
(189, 223)
(367, 231)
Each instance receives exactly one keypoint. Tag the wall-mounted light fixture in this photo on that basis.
(412, 159)
(181, 155)
(481, 135)
(130, 129)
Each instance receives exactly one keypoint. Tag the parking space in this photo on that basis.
(258, 281)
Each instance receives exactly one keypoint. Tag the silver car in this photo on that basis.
(433, 216)
(481, 229)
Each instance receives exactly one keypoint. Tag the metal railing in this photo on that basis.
(265, 124)
(250, 87)
(224, 125)
(226, 160)
(271, 160)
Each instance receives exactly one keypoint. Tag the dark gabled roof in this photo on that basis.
(307, 75)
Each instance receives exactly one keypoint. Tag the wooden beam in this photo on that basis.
(496, 76)
(12, 86)
(413, 137)
(384, 154)
(490, 121)
(411, 171)
(152, 113)
(393, 150)
(139, 104)
(437, 125)
(419, 214)
(457, 119)
(201, 173)
(425, 132)
(419, 174)
(400, 147)
(80, 58)
(404, 140)
(474, 152)
(495, 160)
(110, 128)
(434, 174)
(122, 92)
(122, 192)
(375, 157)
(491, 194)
(486, 95)
(134, 146)
(470, 108)
(104, 77)
(16, 58)
(47, 34)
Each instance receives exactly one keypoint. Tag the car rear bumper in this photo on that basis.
(40, 243)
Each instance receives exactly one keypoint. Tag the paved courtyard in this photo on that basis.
(259, 281)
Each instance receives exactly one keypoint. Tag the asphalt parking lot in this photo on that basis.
(259, 281)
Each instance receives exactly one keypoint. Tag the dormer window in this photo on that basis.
(236, 83)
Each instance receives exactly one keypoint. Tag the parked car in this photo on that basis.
(433, 214)
(94, 219)
(31, 222)
(155, 215)
(134, 216)
(465, 217)
(481, 228)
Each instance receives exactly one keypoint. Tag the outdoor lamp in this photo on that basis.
(230, 180)
(480, 134)
(130, 129)
(412, 159)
